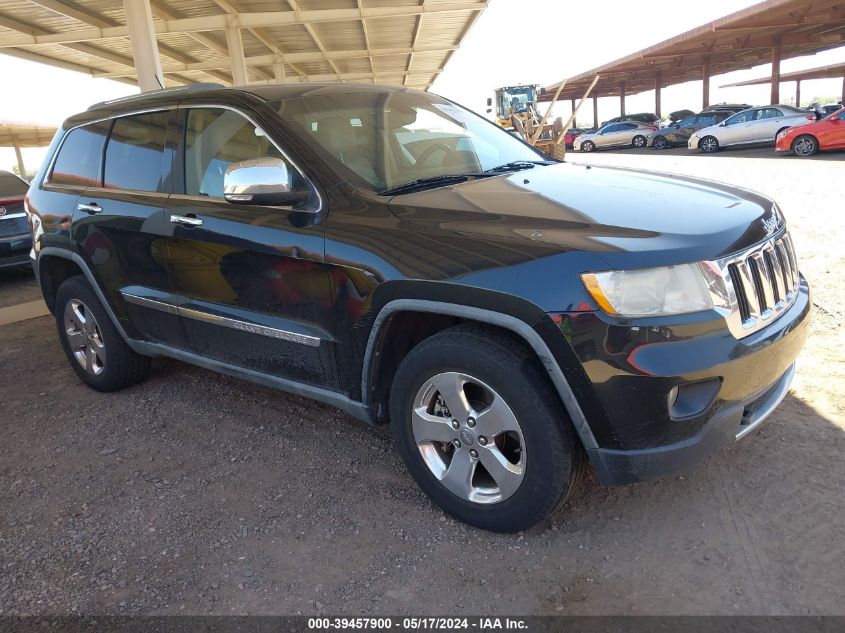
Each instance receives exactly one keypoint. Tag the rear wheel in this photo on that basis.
(709, 144)
(482, 431)
(93, 346)
(639, 141)
(660, 142)
(588, 146)
(805, 145)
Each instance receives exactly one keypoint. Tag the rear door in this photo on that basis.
(119, 222)
(253, 289)
(767, 124)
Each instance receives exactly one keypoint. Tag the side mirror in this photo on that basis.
(264, 181)
(489, 110)
(489, 101)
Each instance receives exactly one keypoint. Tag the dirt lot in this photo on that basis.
(196, 493)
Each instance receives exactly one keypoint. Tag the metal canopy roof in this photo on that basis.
(17, 134)
(738, 41)
(405, 42)
(834, 71)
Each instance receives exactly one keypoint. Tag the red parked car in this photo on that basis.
(805, 140)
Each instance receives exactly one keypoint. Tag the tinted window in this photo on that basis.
(769, 113)
(214, 139)
(707, 120)
(78, 162)
(842, 116)
(688, 121)
(11, 185)
(628, 126)
(135, 153)
(610, 128)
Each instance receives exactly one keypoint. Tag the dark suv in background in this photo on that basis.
(388, 252)
(15, 237)
(678, 134)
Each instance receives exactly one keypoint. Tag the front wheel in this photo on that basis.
(482, 431)
(660, 142)
(709, 144)
(588, 146)
(639, 141)
(805, 145)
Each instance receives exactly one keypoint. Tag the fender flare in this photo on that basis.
(53, 251)
(518, 327)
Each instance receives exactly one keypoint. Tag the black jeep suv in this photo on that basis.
(392, 254)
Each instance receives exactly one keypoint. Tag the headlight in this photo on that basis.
(782, 134)
(651, 291)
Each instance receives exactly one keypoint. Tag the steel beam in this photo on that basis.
(596, 112)
(658, 87)
(705, 83)
(19, 156)
(776, 53)
(798, 94)
(139, 21)
(622, 98)
(235, 44)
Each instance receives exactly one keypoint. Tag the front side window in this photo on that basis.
(706, 120)
(78, 162)
(214, 139)
(688, 121)
(135, 153)
(742, 117)
(383, 140)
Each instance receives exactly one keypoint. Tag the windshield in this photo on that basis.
(385, 140)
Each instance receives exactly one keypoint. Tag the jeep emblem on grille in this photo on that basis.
(771, 224)
(2, 210)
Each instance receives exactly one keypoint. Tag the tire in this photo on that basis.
(93, 346)
(660, 142)
(709, 144)
(805, 145)
(543, 454)
(639, 141)
(588, 146)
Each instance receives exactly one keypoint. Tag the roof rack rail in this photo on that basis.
(189, 88)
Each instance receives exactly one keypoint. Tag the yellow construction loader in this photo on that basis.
(515, 101)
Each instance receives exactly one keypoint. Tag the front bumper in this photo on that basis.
(639, 438)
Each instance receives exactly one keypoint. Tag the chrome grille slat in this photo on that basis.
(763, 283)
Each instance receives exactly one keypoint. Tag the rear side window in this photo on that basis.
(135, 152)
(78, 162)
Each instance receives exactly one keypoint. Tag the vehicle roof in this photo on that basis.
(266, 92)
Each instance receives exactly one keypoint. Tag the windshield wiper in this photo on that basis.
(518, 164)
(432, 181)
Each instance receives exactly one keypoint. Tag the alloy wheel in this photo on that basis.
(709, 144)
(84, 337)
(469, 438)
(659, 143)
(804, 146)
(639, 141)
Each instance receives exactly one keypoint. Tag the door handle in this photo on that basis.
(91, 207)
(187, 220)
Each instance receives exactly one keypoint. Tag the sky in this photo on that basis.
(513, 42)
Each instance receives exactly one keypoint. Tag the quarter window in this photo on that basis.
(135, 152)
(214, 139)
(78, 162)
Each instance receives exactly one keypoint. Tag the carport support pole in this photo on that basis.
(142, 35)
(596, 112)
(21, 167)
(705, 83)
(798, 94)
(235, 44)
(622, 98)
(657, 88)
(776, 49)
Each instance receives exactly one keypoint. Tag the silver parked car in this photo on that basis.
(621, 134)
(754, 125)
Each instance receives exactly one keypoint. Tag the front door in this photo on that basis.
(250, 280)
(737, 129)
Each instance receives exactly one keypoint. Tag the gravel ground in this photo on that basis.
(198, 493)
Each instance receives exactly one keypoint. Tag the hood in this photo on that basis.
(612, 212)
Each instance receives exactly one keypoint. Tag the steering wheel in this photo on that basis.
(428, 151)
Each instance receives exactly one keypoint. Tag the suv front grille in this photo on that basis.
(764, 280)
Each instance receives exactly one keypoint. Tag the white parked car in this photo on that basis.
(615, 134)
(754, 125)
